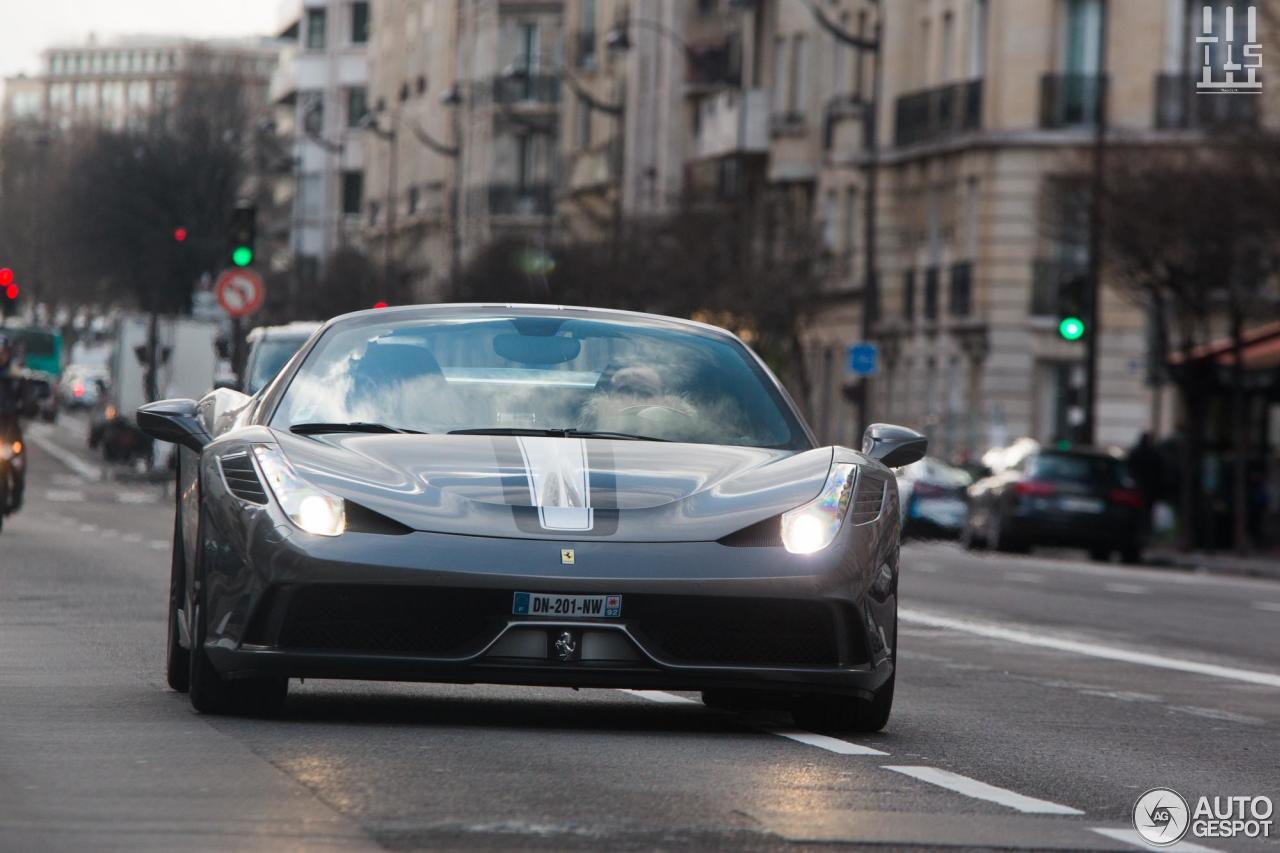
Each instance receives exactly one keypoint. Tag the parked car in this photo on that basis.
(83, 385)
(1077, 498)
(270, 348)
(934, 499)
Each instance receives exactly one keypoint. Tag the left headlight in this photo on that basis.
(312, 509)
(813, 526)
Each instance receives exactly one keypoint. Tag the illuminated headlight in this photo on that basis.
(313, 510)
(814, 526)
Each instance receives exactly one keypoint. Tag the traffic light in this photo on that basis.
(179, 235)
(7, 285)
(6, 277)
(1071, 305)
(244, 227)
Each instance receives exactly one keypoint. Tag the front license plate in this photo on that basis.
(574, 606)
(1090, 505)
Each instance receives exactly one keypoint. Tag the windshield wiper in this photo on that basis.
(556, 433)
(354, 426)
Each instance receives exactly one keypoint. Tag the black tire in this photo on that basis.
(177, 659)
(210, 693)
(970, 540)
(846, 713)
(1100, 555)
(1001, 540)
(1131, 555)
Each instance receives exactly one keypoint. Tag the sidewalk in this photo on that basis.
(1262, 565)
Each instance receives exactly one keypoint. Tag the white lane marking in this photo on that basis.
(830, 744)
(1024, 577)
(157, 545)
(64, 496)
(136, 497)
(66, 481)
(66, 457)
(1269, 606)
(1131, 836)
(1125, 588)
(131, 537)
(981, 790)
(661, 696)
(88, 528)
(1079, 647)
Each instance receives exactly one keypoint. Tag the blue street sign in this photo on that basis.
(864, 359)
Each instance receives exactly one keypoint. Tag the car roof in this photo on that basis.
(482, 310)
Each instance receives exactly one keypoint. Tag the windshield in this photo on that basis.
(269, 355)
(536, 373)
(1077, 468)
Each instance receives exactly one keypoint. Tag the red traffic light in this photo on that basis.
(11, 291)
(379, 304)
(6, 277)
(180, 235)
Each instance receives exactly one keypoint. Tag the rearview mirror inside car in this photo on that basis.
(894, 446)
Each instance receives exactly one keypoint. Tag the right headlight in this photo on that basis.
(813, 526)
(313, 510)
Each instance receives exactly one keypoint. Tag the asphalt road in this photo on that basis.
(1037, 699)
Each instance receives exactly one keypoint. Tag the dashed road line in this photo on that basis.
(981, 790)
(830, 744)
(157, 545)
(1269, 606)
(1088, 649)
(1125, 588)
(137, 497)
(1131, 836)
(64, 496)
(86, 470)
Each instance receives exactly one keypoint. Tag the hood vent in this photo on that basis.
(868, 499)
(242, 478)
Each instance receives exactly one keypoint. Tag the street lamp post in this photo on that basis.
(453, 100)
(389, 135)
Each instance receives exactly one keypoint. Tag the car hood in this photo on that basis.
(560, 488)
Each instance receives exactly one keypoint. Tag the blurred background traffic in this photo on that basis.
(1025, 228)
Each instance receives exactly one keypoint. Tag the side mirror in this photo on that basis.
(173, 421)
(894, 446)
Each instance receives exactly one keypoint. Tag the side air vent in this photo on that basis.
(364, 520)
(242, 478)
(762, 534)
(868, 499)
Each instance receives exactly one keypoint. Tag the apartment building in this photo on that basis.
(412, 174)
(113, 83)
(511, 56)
(320, 95)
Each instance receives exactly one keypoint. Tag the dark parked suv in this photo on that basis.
(1080, 498)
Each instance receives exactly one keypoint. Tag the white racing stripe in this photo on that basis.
(1131, 836)
(981, 790)
(1088, 649)
(559, 481)
(86, 470)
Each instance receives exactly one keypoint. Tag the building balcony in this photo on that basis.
(1070, 100)
(594, 168)
(714, 63)
(1179, 106)
(520, 200)
(524, 88)
(935, 114)
(732, 122)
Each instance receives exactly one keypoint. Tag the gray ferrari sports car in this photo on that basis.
(531, 495)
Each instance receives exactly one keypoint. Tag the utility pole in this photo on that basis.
(1093, 294)
(871, 281)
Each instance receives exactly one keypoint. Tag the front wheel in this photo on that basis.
(846, 713)
(177, 659)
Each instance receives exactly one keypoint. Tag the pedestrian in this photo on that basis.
(1147, 469)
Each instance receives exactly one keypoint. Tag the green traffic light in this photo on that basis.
(1071, 328)
(242, 256)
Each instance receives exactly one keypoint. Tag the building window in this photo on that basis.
(947, 53)
(781, 67)
(587, 34)
(961, 303)
(415, 199)
(360, 22)
(311, 194)
(584, 123)
(353, 193)
(86, 96)
(850, 220)
(909, 296)
(830, 222)
(422, 84)
(978, 40)
(316, 21)
(357, 105)
(373, 213)
(931, 294)
(799, 98)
